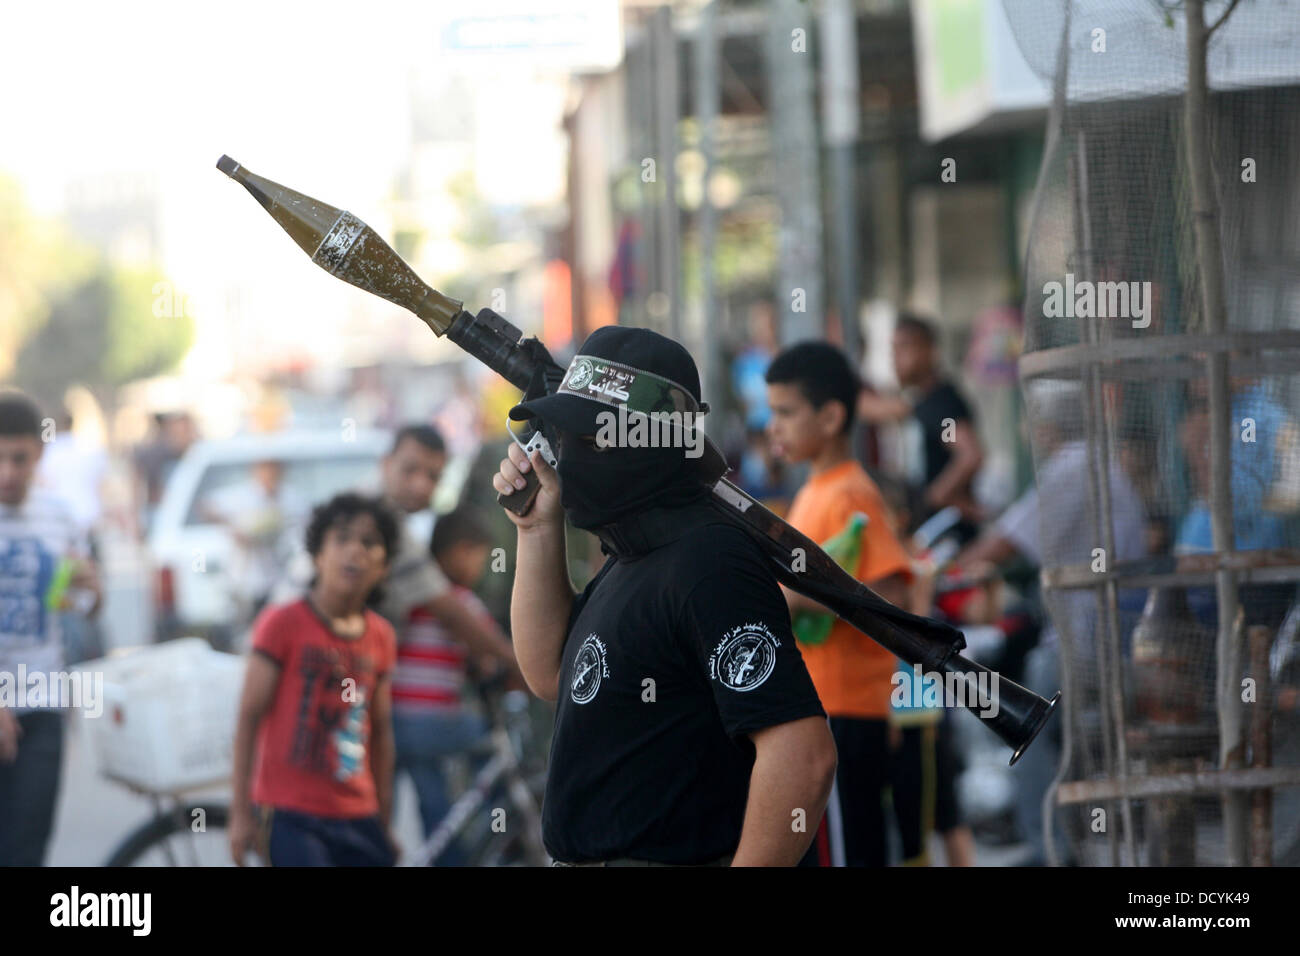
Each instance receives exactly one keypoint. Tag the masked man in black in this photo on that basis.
(687, 730)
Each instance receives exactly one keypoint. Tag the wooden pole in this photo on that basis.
(840, 104)
(708, 96)
(1260, 639)
(797, 164)
(1209, 261)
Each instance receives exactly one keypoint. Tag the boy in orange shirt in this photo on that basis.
(812, 392)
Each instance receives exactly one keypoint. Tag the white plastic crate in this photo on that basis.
(169, 711)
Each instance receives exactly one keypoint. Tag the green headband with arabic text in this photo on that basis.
(618, 385)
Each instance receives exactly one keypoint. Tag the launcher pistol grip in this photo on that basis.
(521, 500)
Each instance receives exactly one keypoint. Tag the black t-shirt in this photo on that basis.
(672, 658)
(943, 401)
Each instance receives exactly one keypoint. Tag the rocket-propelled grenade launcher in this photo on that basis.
(346, 247)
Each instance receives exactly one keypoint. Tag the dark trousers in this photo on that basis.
(923, 780)
(300, 839)
(29, 789)
(914, 780)
(852, 831)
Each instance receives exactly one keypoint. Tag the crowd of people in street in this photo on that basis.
(1050, 524)
(358, 672)
(51, 588)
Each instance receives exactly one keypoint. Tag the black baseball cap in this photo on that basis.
(618, 365)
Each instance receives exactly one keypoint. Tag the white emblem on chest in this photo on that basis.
(589, 668)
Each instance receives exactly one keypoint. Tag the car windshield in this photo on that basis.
(306, 480)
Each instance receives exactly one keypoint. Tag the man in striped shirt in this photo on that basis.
(37, 535)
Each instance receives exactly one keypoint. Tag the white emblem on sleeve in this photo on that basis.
(589, 668)
(745, 657)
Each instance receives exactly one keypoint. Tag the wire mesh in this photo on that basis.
(1161, 678)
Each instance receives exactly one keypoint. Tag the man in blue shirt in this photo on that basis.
(37, 533)
(1262, 442)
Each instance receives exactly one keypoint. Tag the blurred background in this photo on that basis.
(737, 175)
(546, 159)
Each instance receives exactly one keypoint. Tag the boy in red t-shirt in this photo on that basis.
(314, 743)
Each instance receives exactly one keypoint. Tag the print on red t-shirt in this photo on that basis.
(313, 745)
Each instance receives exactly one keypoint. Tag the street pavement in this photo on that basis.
(95, 814)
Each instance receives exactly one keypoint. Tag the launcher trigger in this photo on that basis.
(539, 442)
(536, 441)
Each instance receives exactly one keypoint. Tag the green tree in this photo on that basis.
(68, 316)
(148, 333)
(38, 263)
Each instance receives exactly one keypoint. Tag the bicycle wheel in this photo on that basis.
(187, 835)
(521, 843)
(497, 849)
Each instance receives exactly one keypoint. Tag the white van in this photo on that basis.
(192, 554)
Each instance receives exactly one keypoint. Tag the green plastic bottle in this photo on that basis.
(59, 584)
(814, 627)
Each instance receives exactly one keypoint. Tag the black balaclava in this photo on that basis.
(599, 487)
(631, 495)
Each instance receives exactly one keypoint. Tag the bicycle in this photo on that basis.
(163, 734)
(511, 770)
(180, 833)
(191, 830)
